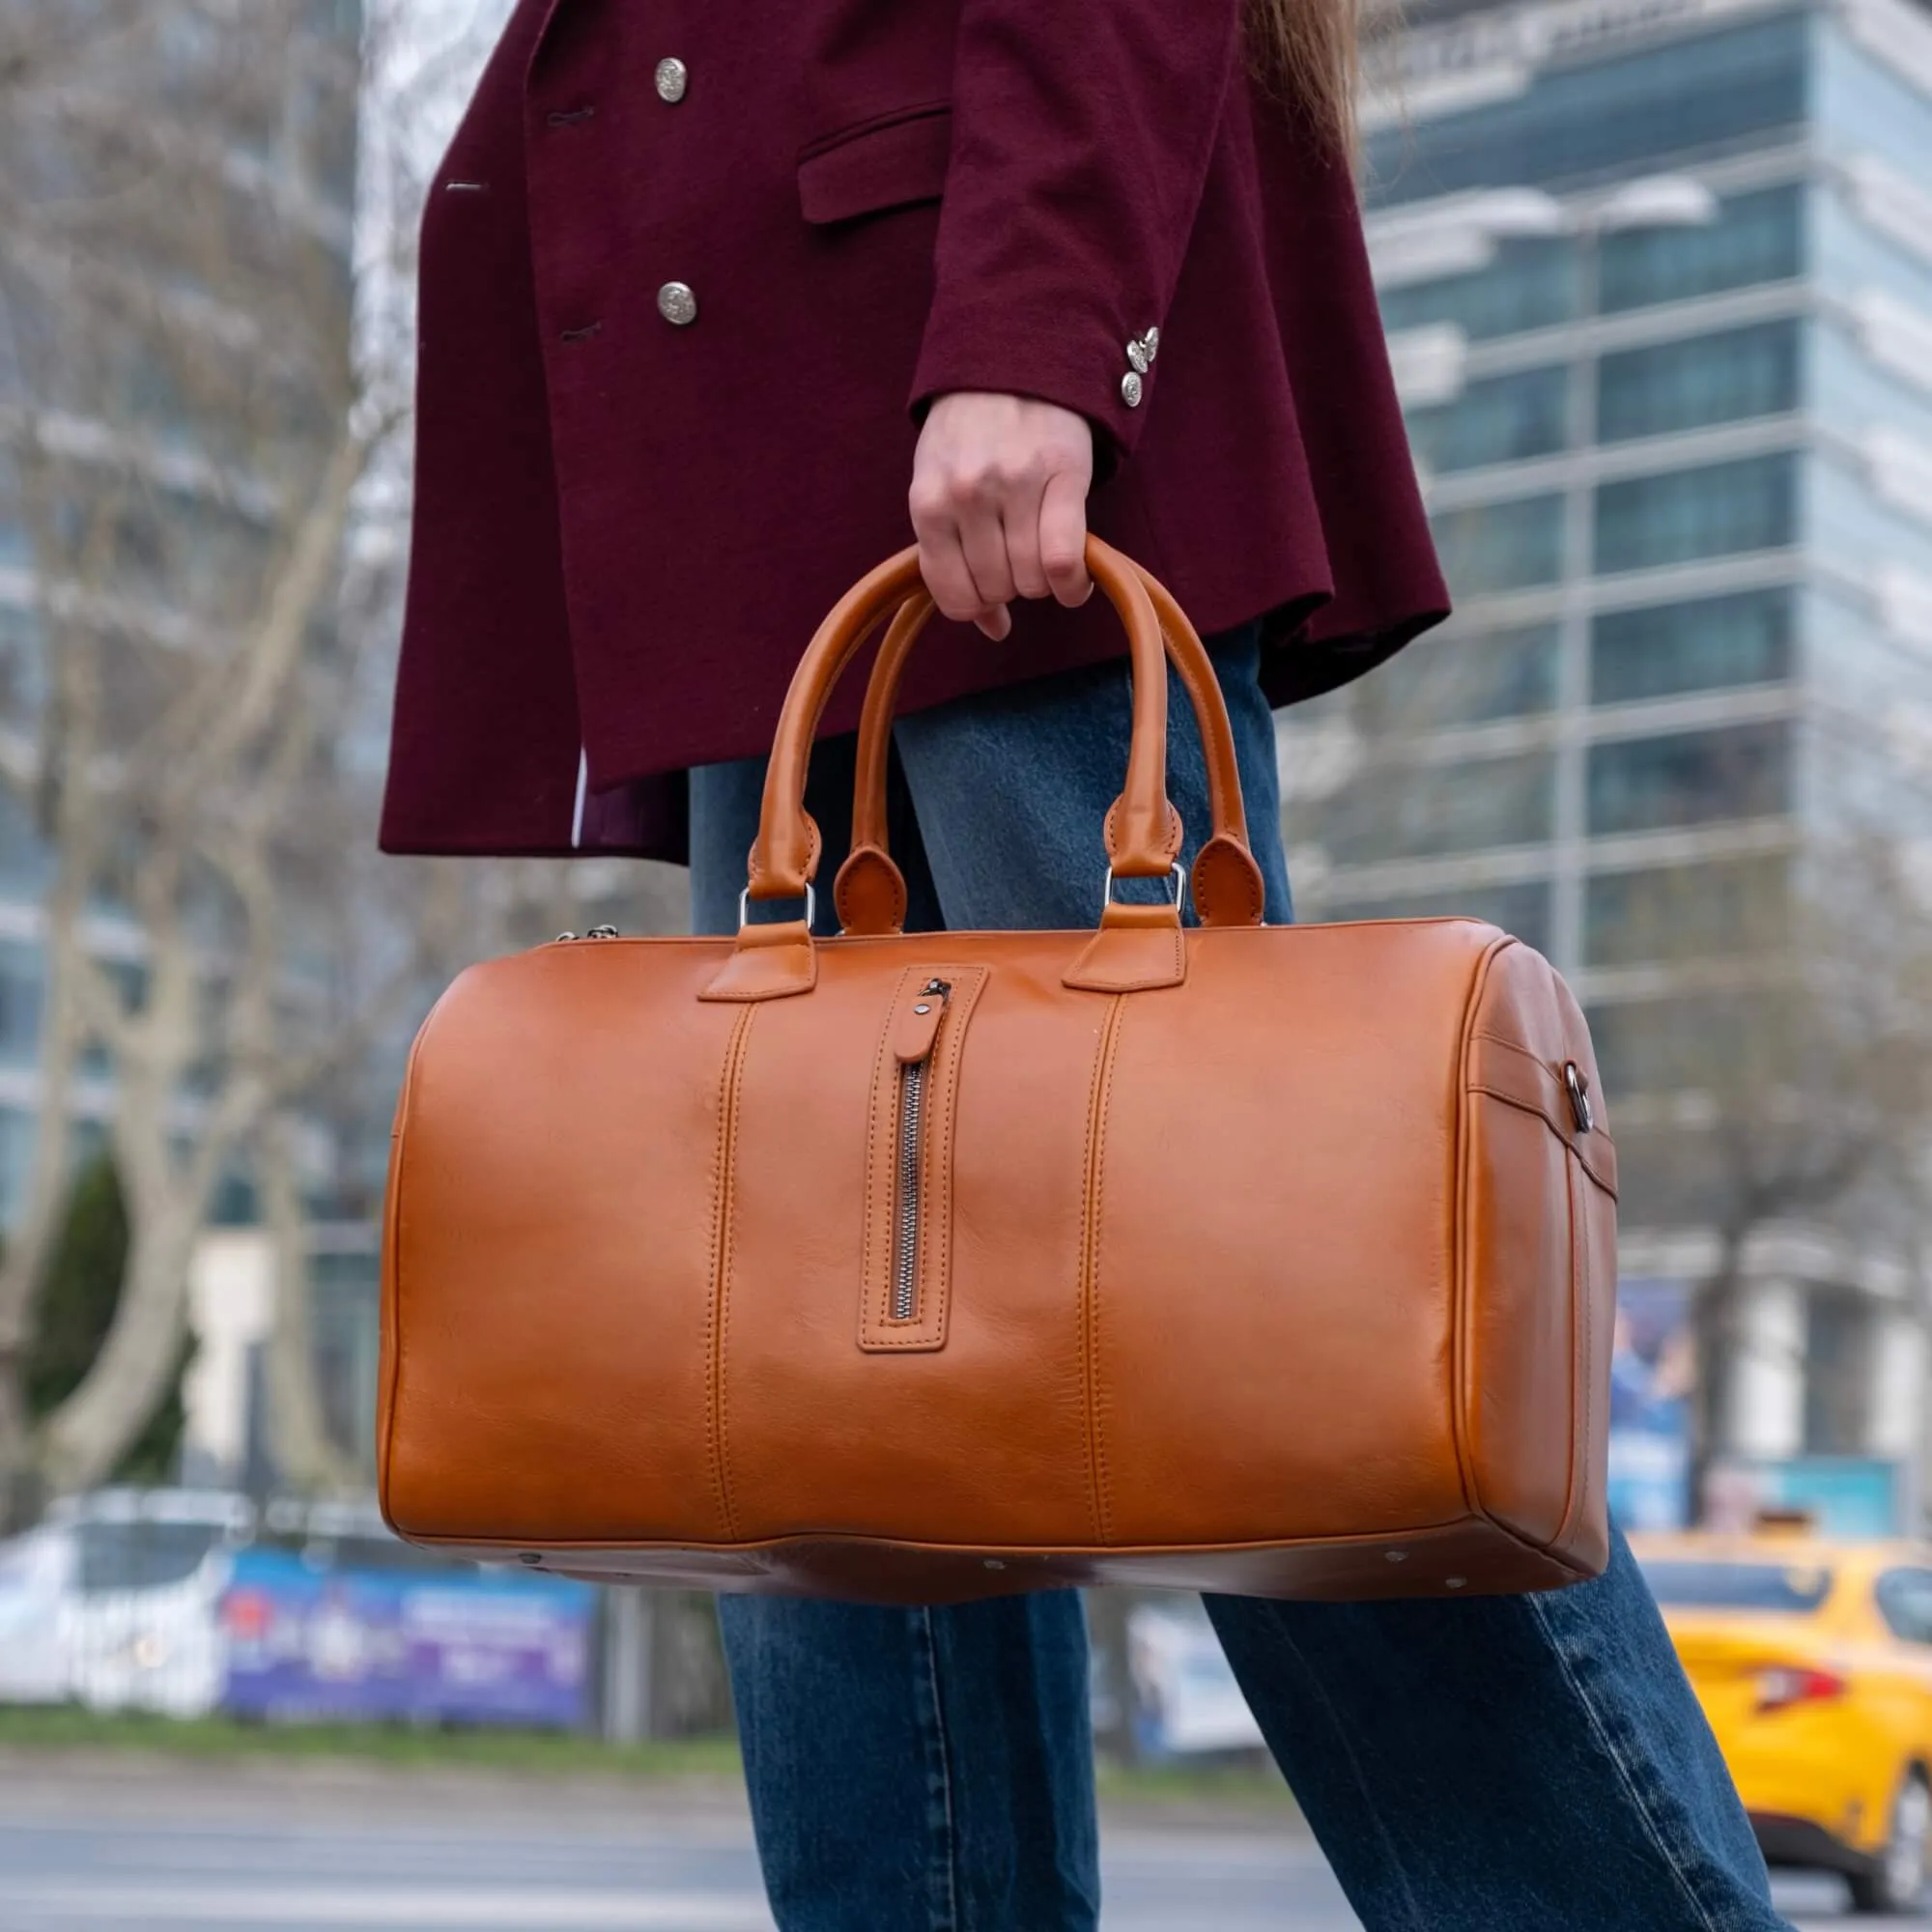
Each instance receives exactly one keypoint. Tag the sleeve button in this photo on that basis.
(677, 303)
(673, 77)
(1133, 389)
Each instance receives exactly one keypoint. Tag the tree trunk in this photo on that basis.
(1715, 1313)
(309, 1461)
(85, 1439)
(20, 1480)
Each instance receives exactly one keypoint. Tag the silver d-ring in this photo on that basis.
(1578, 1090)
(810, 907)
(1177, 873)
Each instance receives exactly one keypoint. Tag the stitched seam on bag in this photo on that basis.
(936, 1217)
(392, 1234)
(927, 1331)
(716, 1325)
(879, 1163)
(1099, 1094)
(1548, 1074)
(1582, 1382)
(1537, 1113)
(1094, 982)
(1462, 1260)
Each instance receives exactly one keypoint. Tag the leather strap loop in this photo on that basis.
(1228, 888)
(784, 857)
(1142, 830)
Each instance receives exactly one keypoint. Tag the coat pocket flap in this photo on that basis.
(881, 164)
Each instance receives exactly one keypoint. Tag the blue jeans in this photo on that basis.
(1522, 1764)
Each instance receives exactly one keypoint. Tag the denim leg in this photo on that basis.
(932, 1770)
(1011, 786)
(922, 1769)
(1489, 1766)
(1505, 1764)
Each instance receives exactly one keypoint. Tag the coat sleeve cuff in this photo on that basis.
(1080, 362)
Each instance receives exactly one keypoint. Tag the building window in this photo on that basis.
(1693, 778)
(1520, 907)
(1691, 95)
(1690, 1041)
(1709, 644)
(1839, 1338)
(1686, 912)
(1672, 386)
(23, 857)
(16, 1153)
(1502, 546)
(1529, 285)
(1465, 677)
(23, 665)
(1757, 237)
(1506, 419)
(1405, 812)
(1647, 522)
(22, 989)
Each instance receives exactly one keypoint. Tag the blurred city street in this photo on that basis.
(127, 1848)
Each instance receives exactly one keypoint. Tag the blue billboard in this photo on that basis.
(454, 1645)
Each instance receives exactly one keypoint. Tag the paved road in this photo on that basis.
(106, 1852)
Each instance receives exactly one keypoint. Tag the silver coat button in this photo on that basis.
(1131, 388)
(677, 304)
(1137, 355)
(673, 77)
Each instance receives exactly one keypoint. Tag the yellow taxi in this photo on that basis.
(1813, 1663)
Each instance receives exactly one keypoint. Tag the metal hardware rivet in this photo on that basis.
(1455, 1583)
(562, 936)
(529, 1556)
(994, 1563)
(1398, 1555)
(1579, 1089)
(922, 1010)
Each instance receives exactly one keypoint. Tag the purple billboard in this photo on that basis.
(442, 1645)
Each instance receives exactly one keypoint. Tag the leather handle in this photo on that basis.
(1228, 885)
(1142, 831)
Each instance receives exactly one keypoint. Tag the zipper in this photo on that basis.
(914, 1040)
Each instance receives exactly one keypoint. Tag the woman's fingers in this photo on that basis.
(999, 503)
(982, 536)
(1063, 538)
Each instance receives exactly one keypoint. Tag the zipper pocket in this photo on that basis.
(914, 1041)
(909, 1186)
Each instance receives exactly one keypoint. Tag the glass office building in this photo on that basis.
(1657, 279)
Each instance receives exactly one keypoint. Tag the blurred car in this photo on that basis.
(37, 1578)
(140, 1623)
(1813, 1663)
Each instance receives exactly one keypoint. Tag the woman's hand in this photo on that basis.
(999, 503)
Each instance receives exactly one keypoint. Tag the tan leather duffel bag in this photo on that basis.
(1277, 1260)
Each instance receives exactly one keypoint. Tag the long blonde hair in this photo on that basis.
(1310, 51)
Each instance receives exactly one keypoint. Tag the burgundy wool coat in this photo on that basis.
(690, 272)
